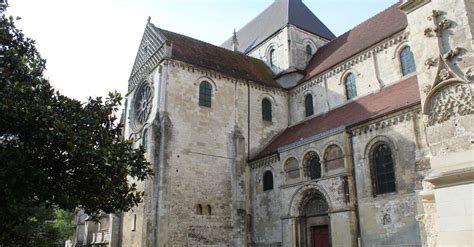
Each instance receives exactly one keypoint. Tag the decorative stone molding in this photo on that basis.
(431, 62)
(411, 5)
(447, 100)
(442, 25)
(221, 76)
(427, 89)
(453, 53)
(434, 15)
(267, 161)
(444, 74)
(384, 123)
(470, 73)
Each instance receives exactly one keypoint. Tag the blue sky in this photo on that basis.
(90, 45)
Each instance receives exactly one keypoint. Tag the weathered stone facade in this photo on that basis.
(227, 174)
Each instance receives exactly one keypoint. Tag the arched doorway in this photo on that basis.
(310, 209)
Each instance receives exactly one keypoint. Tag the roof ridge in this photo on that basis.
(204, 42)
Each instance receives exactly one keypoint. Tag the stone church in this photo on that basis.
(287, 135)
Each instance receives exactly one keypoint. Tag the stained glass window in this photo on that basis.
(266, 110)
(351, 89)
(308, 102)
(205, 94)
(407, 61)
(383, 171)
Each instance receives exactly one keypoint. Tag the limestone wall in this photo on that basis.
(200, 151)
(373, 68)
(273, 210)
(389, 219)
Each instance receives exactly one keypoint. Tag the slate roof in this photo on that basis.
(275, 17)
(202, 54)
(396, 97)
(360, 38)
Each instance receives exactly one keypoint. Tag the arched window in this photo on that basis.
(292, 169)
(350, 83)
(312, 165)
(383, 173)
(205, 94)
(309, 51)
(272, 57)
(266, 110)
(199, 209)
(145, 139)
(407, 61)
(209, 210)
(267, 181)
(308, 103)
(333, 158)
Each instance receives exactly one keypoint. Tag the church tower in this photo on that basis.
(285, 36)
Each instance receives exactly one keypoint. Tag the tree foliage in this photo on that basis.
(56, 151)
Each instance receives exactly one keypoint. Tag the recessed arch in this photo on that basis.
(379, 138)
(208, 79)
(406, 60)
(297, 200)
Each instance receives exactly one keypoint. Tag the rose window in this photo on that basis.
(143, 104)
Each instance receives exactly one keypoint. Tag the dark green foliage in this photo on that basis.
(56, 152)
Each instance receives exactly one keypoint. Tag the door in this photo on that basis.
(320, 236)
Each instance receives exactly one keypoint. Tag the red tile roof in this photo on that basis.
(362, 37)
(393, 98)
(219, 59)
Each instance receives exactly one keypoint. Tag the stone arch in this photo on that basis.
(346, 73)
(208, 79)
(283, 164)
(333, 143)
(269, 97)
(298, 199)
(399, 48)
(375, 140)
(446, 100)
(304, 161)
(270, 47)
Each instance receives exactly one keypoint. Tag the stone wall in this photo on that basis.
(389, 219)
(376, 67)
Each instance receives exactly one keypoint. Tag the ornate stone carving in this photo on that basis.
(142, 104)
(452, 53)
(442, 25)
(452, 100)
(435, 14)
(444, 74)
(427, 89)
(431, 62)
(429, 32)
(470, 74)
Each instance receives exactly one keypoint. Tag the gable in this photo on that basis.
(149, 55)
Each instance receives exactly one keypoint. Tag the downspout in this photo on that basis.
(356, 201)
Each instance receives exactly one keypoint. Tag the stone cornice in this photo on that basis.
(267, 161)
(388, 121)
(349, 63)
(411, 5)
(221, 76)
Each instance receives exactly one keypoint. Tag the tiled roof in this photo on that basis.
(216, 58)
(275, 17)
(360, 38)
(393, 98)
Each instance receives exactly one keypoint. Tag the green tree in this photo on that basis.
(56, 152)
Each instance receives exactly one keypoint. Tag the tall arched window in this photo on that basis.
(333, 158)
(267, 181)
(383, 173)
(308, 103)
(205, 94)
(407, 61)
(272, 57)
(312, 165)
(292, 168)
(266, 110)
(145, 139)
(309, 51)
(350, 83)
